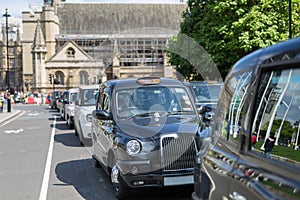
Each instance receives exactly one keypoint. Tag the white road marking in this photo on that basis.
(13, 118)
(14, 131)
(33, 114)
(44, 188)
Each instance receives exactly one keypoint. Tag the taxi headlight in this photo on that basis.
(133, 147)
(89, 117)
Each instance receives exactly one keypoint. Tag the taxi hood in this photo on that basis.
(149, 127)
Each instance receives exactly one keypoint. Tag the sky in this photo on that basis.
(16, 7)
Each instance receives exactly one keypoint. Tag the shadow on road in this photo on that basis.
(67, 139)
(93, 183)
(90, 182)
(62, 126)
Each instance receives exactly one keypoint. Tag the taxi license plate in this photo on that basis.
(178, 180)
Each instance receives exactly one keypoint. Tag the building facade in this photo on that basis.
(86, 43)
(11, 62)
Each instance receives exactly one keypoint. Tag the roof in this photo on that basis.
(132, 82)
(88, 87)
(113, 18)
(192, 83)
(280, 52)
(39, 40)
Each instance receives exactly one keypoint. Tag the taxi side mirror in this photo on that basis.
(102, 115)
(202, 109)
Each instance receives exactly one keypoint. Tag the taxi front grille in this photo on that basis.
(178, 153)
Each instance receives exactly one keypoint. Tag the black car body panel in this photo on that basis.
(167, 138)
(260, 98)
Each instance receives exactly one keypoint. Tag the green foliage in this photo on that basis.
(282, 151)
(230, 29)
(287, 129)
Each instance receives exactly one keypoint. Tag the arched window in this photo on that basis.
(70, 52)
(84, 78)
(59, 78)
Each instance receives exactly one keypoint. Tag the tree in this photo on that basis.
(231, 29)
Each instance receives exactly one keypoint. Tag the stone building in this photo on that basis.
(11, 71)
(85, 43)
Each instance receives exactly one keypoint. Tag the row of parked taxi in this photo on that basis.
(75, 107)
(160, 132)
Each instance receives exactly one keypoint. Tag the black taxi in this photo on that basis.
(254, 153)
(144, 133)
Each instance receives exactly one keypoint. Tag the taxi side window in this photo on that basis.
(231, 106)
(106, 103)
(277, 112)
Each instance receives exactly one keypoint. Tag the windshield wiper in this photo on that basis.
(175, 112)
(145, 114)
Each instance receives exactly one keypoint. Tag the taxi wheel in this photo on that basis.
(70, 123)
(76, 132)
(96, 163)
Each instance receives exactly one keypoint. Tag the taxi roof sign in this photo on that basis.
(148, 80)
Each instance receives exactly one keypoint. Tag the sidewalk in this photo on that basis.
(5, 116)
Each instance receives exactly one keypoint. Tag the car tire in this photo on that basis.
(62, 115)
(70, 123)
(80, 136)
(96, 163)
(76, 132)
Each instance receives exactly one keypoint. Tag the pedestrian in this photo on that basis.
(269, 144)
(253, 139)
(1, 106)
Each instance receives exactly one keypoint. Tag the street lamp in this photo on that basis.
(188, 13)
(6, 15)
(285, 114)
(290, 18)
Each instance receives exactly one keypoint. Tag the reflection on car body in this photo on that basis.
(143, 133)
(260, 96)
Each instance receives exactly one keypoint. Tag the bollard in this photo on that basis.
(8, 103)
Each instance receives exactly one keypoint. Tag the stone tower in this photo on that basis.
(39, 51)
(49, 28)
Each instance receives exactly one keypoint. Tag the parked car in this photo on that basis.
(54, 98)
(260, 98)
(206, 95)
(144, 133)
(70, 107)
(84, 106)
(59, 101)
(63, 100)
(17, 97)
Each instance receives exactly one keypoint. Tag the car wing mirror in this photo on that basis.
(202, 109)
(102, 115)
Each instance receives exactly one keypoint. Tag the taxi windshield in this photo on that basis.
(207, 92)
(152, 99)
(73, 97)
(90, 97)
